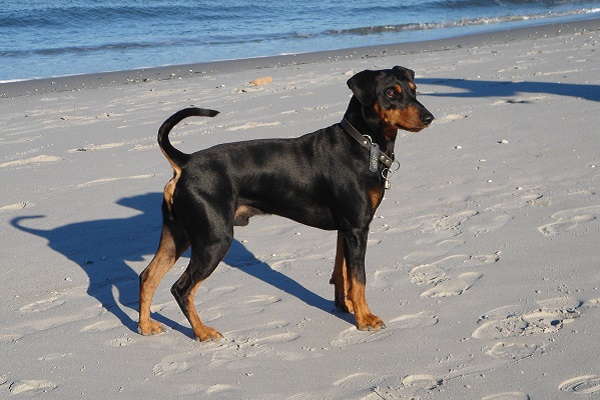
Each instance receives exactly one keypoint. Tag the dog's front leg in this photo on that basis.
(355, 247)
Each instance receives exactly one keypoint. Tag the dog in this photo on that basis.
(332, 179)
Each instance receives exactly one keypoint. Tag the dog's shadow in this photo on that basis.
(103, 249)
(240, 257)
(481, 88)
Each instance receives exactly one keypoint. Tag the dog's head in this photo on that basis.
(391, 96)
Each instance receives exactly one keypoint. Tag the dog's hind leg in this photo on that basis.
(203, 262)
(339, 278)
(173, 242)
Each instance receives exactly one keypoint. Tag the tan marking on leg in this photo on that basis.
(201, 332)
(365, 320)
(163, 260)
(170, 189)
(339, 278)
(375, 195)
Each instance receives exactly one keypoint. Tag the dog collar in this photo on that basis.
(367, 143)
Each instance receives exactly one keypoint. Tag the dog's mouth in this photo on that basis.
(413, 129)
(415, 126)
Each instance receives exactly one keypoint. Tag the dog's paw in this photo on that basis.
(369, 322)
(207, 334)
(150, 328)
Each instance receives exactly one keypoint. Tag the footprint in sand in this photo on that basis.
(112, 179)
(221, 388)
(420, 222)
(248, 306)
(261, 332)
(101, 326)
(42, 305)
(454, 286)
(550, 318)
(438, 274)
(423, 381)
(66, 316)
(512, 351)
(238, 353)
(32, 387)
(435, 223)
(582, 384)
(10, 337)
(592, 303)
(479, 222)
(435, 248)
(384, 278)
(278, 338)
(358, 381)
(305, 396)
(441, 235)
(353, 336)
(569, 219)
(32, 160)
(536, 200)
(453, 221)
(465, 261)
(256, 352)
(120, 342)
(427, 274)
(508, 396)
(488, 223)
(166, 368)
(54, 356)
(407, 387)
(254, 345)
(94, 147)
(16, 206)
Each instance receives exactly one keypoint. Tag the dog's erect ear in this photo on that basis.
(408, 73)
(363, 87)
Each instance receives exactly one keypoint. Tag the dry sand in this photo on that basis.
(483, 259)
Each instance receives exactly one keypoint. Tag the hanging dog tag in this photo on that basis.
(385, 174)
(386, 184)
(374, 157)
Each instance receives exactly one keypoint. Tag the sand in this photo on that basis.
(483, 258)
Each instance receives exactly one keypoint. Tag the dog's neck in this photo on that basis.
(364, 120)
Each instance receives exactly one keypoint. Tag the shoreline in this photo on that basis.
(117, 78)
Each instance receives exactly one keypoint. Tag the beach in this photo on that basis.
(482, 258)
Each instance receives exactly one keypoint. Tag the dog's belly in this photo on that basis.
(315, 215)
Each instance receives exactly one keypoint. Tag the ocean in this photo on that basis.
(40, 39)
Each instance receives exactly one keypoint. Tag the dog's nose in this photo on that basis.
(427, 118)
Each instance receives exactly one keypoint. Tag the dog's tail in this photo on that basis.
(178, 158)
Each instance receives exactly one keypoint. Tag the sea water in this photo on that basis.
(65, 37)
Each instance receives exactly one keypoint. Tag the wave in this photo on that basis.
(463, 23)
(65, 17)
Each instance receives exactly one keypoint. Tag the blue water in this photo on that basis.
(64, 37)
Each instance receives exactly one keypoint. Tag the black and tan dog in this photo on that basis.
(332, 179)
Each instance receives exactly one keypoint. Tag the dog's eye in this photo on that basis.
(391, 94)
